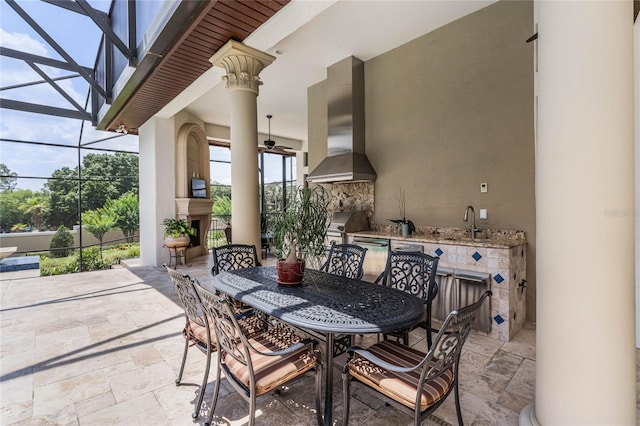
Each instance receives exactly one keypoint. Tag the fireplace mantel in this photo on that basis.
(187, 207)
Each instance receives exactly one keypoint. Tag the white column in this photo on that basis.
(243, 65)
(585, 350)
(156, 140)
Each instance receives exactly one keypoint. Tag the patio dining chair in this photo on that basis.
(345, 260)
(260, 363)
(411, 380)
(198, 331)
(414, 273)
(234, 256)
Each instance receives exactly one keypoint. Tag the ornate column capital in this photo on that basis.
(242, 65)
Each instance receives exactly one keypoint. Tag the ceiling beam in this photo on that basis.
(72, 6)
(105, 27)
(60, 90)
(42, 33)
(41, 109)
(16, 54)
(34, 83)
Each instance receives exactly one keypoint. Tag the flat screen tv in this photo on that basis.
(198, 188)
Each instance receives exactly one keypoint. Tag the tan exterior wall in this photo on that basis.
(39, 241)
(446, 112)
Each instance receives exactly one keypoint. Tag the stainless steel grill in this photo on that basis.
(343, 223)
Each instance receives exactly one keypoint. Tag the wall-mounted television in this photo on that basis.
(198, 188)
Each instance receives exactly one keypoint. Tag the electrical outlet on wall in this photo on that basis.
(483, 214)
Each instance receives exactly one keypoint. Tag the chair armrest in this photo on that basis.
(380, 277)
(380, 362)
(324, 266)
(433, 292)
(295, 347)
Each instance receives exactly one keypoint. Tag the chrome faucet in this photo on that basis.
(473, 223)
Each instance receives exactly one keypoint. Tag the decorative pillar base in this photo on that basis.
(528, 416)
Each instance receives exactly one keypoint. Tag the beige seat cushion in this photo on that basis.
(401, 387)
(197, 333)
(271, 371)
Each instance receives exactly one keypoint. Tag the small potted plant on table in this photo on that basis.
(406, 225)
(298, 233)
(177, 232)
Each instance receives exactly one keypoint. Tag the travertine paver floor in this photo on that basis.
(104, 347)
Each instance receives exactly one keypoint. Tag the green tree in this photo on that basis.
(33, 206)
(8, 179)
(222, 209)
(10, 213)
(63, 199)
(126, 211)
(61, 244)
(107, 176)
(219, 190)
(98, 223)
(104, 177)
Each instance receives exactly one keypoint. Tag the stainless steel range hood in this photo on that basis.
(346, 160)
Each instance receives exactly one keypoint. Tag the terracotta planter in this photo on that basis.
(290, 273)
(180, 241)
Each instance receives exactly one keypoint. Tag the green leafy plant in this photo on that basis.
(99, 222)
(126, 212)
(222, 209)
(177, 227)
(299, 231)
(61, 244)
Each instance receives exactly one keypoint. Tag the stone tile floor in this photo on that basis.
(104, 348)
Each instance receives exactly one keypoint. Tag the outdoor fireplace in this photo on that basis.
(192, 164)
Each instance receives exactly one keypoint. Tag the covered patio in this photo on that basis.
(104, 348)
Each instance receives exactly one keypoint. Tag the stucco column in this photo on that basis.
(156, 141)
(243, 65)
(585, 349)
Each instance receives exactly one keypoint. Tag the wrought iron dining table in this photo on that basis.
(324, 304)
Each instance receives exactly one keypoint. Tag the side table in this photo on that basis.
(178, 255)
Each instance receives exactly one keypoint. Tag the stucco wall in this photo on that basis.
(448, 111)
(39, 241)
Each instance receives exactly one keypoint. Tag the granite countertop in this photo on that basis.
(491, 238)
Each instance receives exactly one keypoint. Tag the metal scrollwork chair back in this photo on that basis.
(413, 273)
(234, 256)
(345, 260)
(257, 364)
(408, 378)
(197, 330)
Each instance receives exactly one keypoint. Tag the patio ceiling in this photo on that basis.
(197, 38)
(320, 37)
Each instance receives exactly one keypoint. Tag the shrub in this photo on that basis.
(61, 244)
(92, 260)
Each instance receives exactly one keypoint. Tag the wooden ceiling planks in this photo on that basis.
(189, 57)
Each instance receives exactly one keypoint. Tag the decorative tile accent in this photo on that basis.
(498, 319)
(476, 256)
(439, 252)
(498, 278)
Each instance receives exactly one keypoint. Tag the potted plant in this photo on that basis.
(406, 226)
(177, 232)
(298, 233)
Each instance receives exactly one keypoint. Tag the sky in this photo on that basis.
(80, 38)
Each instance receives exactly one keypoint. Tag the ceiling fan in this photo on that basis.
(271, 144)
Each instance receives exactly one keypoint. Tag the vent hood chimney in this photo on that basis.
(346, 160)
